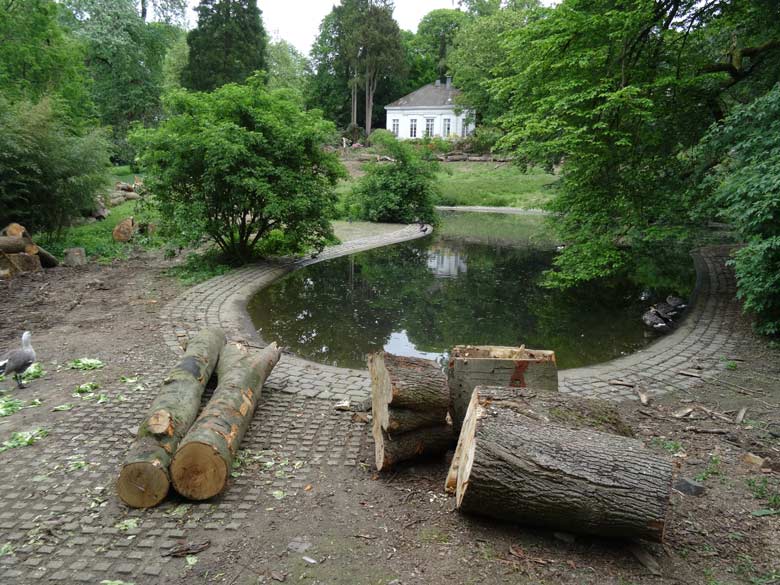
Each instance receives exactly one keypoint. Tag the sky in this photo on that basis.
(298, 21)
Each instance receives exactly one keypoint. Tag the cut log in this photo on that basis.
(16, 263)
(14, 245)
(403, 420)
(515, 468)
(144, 479)
(410, 383)
(390, 450)
(48, 260)
(560, 409)
(201, 466)
(487, 365)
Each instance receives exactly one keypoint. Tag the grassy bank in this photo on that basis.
(492, 185)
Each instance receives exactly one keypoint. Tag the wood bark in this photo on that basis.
(16, 263)
(411, 383)
(48, 260)
(201, 466)
(144, 478)
(515, 468)
(15, 245)
(472, 366)
(389, 450)
(570, 411)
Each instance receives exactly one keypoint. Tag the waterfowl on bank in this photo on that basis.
(16, 361)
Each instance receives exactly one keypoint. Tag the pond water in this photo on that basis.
(475, 281)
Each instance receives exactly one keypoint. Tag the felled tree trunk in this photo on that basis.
(144, 479)
(487, 365)
(17, 245)
(513, 467)
(392, 449)
(47, 259)
(201, 466)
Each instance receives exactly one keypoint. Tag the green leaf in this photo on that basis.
(8, 406)
(127, 524)
(278, 494)
(85, 364)
(63, 407)
(191, 560)
(23, 439)
(765, 512)
(34, 372)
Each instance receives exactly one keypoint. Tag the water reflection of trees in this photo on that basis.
(444, 294)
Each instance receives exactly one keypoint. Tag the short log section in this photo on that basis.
(409, 399)
(201, 466)
(514, 467)
(492, 365)
(144, 478)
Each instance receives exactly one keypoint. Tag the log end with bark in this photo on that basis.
(513, 467)
(202, 463)
(392, 449)
(144, 478)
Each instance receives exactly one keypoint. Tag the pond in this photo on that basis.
(475, 281)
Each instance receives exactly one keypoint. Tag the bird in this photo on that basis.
(17, 361)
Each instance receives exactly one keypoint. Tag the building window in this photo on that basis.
(429, 126)
(464, 128)
(395, 127)
(412, 128)
(445, 128)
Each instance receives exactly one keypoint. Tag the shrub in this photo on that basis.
(49, 171)
(399, 191)
(740, 161)
(238, 163)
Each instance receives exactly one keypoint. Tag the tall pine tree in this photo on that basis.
(228, 45)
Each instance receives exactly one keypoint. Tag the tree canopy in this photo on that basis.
(228, 45)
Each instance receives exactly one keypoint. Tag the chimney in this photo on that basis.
(449, 82)
(438, 83)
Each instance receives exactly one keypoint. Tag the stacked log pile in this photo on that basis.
(491, 365)
(540, 462)
(409, 398)
(172, 447)
(18, 252)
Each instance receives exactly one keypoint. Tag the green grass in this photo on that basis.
(469, 183)
(123, 173)
(496, 229)
(200, 267)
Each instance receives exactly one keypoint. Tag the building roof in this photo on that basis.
(429, 96)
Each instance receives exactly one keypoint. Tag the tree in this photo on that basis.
(436, 34)
(381, 51)
(240, 165)
(287, 68)
(621, 95)
(50, 168)
(39, 58)
(401, 191)
(168, 11)
(330, 75)
(176, 58)
(228, 45)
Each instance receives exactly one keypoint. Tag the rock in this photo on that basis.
(689, 487)
(75, 257)
(132, 196)
(121, 186)
(124, 230)
(100, 211)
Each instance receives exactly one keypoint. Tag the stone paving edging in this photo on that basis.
(704, 337)
(221, 302)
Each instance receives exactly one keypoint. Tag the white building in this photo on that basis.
(429, 111)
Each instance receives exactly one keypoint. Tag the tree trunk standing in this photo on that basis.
(144, 479)
(513, 467)
(353, 118)
(143, 10)
(488, 365)
(560, 409)
(371, 80)
(201, 466)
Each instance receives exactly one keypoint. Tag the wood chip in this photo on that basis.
(621, 383)
(702, 431)
(646, 559)
(643, 398)
(683, 412)
(689, 373)
(740, 415)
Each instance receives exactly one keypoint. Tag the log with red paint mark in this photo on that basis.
(488, 365)
(202, 463)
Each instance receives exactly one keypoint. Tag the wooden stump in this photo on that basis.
(409, 399)
(201, 466)
(487, 365)
(513, 467)
(17, 263)
(144, 479)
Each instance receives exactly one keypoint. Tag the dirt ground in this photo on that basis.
(354, 525)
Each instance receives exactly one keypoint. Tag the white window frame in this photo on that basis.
(413, 128)
(430, 126)
(396, 125)
(446, 127)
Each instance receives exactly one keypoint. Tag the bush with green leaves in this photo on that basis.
(50, 171)
(740, 160)
(238, 163)
(402, 190)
